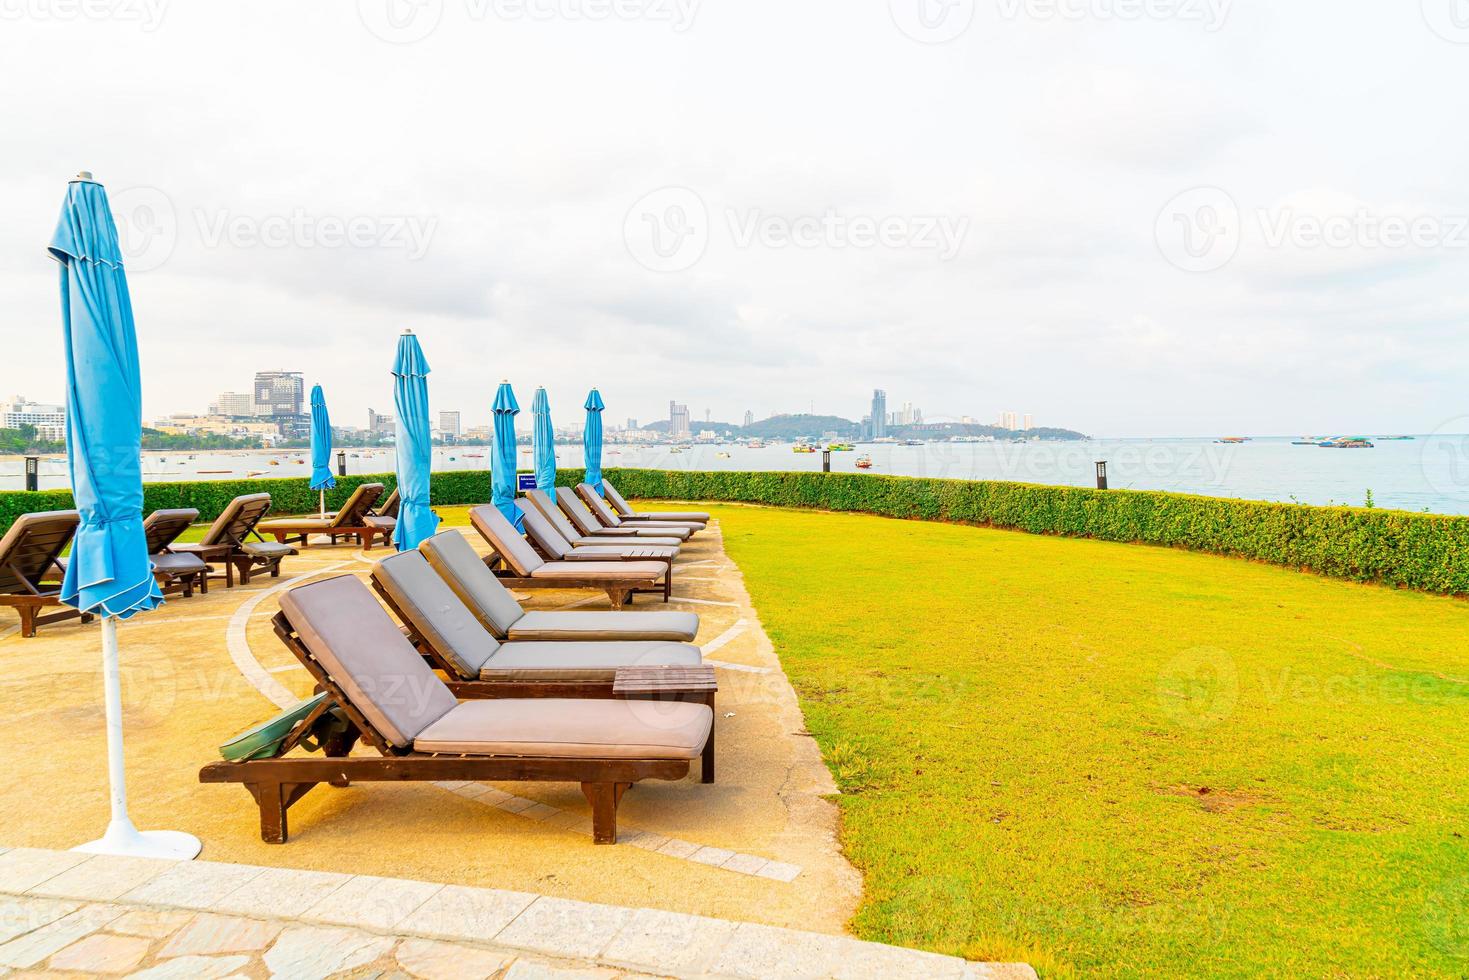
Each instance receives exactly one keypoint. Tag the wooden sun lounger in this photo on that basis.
(228, 542)
(625, 536)
(450, 554)
(608, 518)
(586, 523)
(549, 543)
(358, 657)
(625, 511)
(521, 568)
(28, 558)
(477, 665)
(175, 571)
(352, 521)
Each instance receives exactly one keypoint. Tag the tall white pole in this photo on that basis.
(322, 491)
(122, 837)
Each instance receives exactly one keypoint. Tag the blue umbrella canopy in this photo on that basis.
(544, 441)
(109, 572)
(591, 439)
(415, 448)
(321, 443)
(502, 456)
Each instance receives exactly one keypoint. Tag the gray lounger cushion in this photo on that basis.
(584, 661)
(611, 571)
(183, 564)
(432, 609)
(624, 509)
(561, 728)
(461, 567)
(679, 627)
(577, 511)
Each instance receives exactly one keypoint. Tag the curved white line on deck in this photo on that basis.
(239, 648)
(724, 638)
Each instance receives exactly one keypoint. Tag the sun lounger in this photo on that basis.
(541, 502)
(349, 522)
(456, 562)
(610, 517)
(395, 702)
(181, 570)
(524, 569)
(625, 511)
(607, 518)
(228, 541)
(587, 523)
(544, 537)
(28, 558)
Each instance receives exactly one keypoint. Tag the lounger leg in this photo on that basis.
(706, 761)
(272, 800)
(604, 798)
(27, 620)
(618, 597)
(668, 583)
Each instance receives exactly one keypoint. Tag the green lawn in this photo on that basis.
(1122, 759)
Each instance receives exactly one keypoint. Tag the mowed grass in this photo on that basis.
(1126, 760)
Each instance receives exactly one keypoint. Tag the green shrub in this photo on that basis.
(1420, 551)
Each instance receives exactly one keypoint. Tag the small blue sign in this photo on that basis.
(525, 481)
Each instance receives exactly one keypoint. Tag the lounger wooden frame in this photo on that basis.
(346, 523)
(608, 517)
(279, 782)
(619, 593)
(228, 548)
(26, 588)
(479, 689)
(533, 535)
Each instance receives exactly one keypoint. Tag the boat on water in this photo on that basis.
(1348, 442)
(756, 444)
(721, 455)
(913, 442)
(841, 447)
(1233, 440)
(1395, 438)
(864, 462)
(802, 447)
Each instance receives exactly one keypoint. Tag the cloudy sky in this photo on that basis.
(1130, 217)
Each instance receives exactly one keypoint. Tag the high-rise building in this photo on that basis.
(1028, 422)
(49, 420)
(1009, 420)
(749, 418)
(632, 425)
(678, 420)
(380, 425)
(449, 424)
(235, 404)
(279, 392)
(879, 414)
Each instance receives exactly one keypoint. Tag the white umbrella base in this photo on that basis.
(126, 841)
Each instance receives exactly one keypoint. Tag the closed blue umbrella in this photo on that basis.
(544, 442)
(109, 572)
(415, 447)
(502, 455)
(591, 439)
(321, 446)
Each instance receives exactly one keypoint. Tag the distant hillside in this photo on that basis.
(789, 427)
(944, 430)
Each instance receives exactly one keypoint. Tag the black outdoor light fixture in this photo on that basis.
(341, 464)
(33, 472)
(826, 461)
(1101, 474)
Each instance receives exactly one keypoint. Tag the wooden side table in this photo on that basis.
(210, 553)
(694, 684)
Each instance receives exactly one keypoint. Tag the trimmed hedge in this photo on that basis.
(1420, 551)
(1428, 552)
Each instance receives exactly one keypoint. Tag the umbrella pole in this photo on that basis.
(122, 837)
(322, 491)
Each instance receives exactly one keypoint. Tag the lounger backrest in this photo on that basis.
(355, 641)
(435, 612)
(390, 506)
(162, 527)
(610, 492)
(598, 505)
(355, 509)
(506, 541)
(239, 518)
(462, 569)
(552, 513)
(31, 546)
(544, 534)
(578, 513)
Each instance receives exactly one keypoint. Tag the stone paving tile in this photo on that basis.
(208, 934)
(779, 871)
(152, 923)
(756, 952)
(669, 942)
(745, 864)
(561, 927)
(281, 892)
(102, 953)
(33, 947)
(457, 911)
(23, 868)
(192, 885)
(103, 880)
(369, 902)
(678, 848)
(529, 970)
(193, 968)
(711, 855)
(434, 960)
(19, 916)
(316, 952)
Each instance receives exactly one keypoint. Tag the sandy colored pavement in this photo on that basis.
(193, 676)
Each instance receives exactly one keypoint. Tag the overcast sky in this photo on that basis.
(1129, 217)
